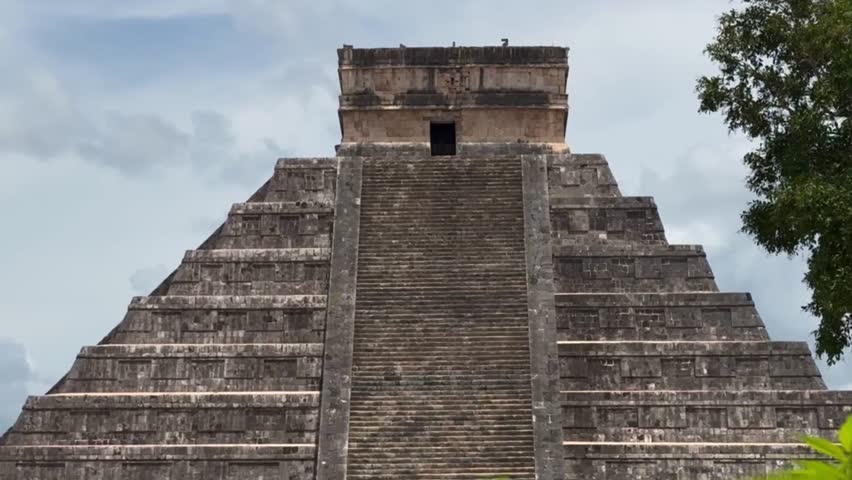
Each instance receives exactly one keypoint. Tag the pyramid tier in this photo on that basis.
(303, 180)
(168, 418)
(658, 316)
(631, 268)
(611, 220)
(146, 462)
(223, 319)
(290, 271)
(670, 461)
(195, 368)
(276, 225)
(619, 365)
(580, 175)
(703, 416)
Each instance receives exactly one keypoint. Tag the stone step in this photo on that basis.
(499, 187)
(444, 453)
(436, 231)
(411, 419)
(395, 258)
(443, 384)
(142, 462)
(438, 343)
(198, 368)
(425, 288)
(222, 319)
(474, 277)
(703, 416)
(411, 375)
(462, 470)
(172, 418)
(652, 461)
(380, 438)
(450, 412)
(658, 316)
(413, 360)
(681, 365)
(447, 303)
(436, 402)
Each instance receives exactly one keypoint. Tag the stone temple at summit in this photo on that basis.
(453, 295)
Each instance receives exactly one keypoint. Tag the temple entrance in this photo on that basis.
(442, 137)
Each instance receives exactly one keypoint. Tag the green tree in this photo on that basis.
(785, 81)
(838, 468)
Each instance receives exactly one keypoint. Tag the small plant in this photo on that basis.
(839, 467)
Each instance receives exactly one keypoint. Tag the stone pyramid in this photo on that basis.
(454, 295)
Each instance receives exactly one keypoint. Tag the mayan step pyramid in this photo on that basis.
(454, 295)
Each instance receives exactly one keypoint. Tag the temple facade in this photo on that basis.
(454, 295)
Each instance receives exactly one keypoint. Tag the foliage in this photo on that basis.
(785, 80)
(838, 468)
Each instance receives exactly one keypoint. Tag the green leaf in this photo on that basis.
(826, 447)
(844, 435)
(822, 470)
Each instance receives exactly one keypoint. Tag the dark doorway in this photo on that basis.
(442, 136)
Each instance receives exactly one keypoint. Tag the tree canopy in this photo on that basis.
(785, 81)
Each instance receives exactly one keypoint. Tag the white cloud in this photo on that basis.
(111, 10)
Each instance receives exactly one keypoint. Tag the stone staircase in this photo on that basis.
(441, 361)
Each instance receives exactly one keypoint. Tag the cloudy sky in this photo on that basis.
(128, 128)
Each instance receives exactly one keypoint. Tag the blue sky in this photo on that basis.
(128, 128)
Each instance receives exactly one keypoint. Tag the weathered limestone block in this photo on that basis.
(223, 319)
(303, 180)
(658, 316)
(277, 225)
(290, 271)
(632, 268)
(148, 419)
(580, 175)
(703, 416)
(605, 220)
(195, 368)
(677, 461)
(160, 462)
(687, 366)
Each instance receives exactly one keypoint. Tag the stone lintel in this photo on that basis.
(258, 255)
(172, 400)
(340, 324)
(173, 452)
(298, 163)
(464, 149)
(544, 361)
(202, 350)
(669, 348)
(440, 56)
(259, 208)
(228, 302)
(630, 202)
(628, 250)
(656, 299)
